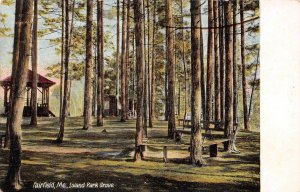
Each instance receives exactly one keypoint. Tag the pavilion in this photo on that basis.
(43, 102)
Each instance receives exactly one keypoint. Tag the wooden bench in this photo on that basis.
(2, 139)
(212, 145)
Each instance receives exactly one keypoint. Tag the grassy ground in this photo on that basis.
(95, 156)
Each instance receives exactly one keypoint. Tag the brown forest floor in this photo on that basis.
(94, 156)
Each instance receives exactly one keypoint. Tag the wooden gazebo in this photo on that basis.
(43, 102)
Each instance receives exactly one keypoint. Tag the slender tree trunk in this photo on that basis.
(13, 179)
(149, 68)
(166, 84)
(145, 117)
(60, 136)
(196, 137)
(235, 77)
(244, 82)
(209, 81)
(124, 65)
(89, 66)
(253, 86)
(15, 63)
(62, 56)
(203, 90)
(100, 60)
(127, 57)
(217, 70)
(34, 60)
(171, 65)
(70, 45)
(183, 61)
(222, 65)
(140, 64)
(118, 58)
(235, 84)
(229, 74)
(95, 72)
(153, 77)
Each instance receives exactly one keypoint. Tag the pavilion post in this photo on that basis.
(5, 96)
(48, 97)
(43, 91)
(27, 96)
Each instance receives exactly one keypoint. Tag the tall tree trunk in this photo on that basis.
(34, 61)
(222, 65)
(153, 77)
(118, 58)
(171, 65)
(203, 90)
(60, 136)
(244, 82)
(70, 45)
(127, 57)
(62, 56)
(124, 65)
(183, 60)
(145, 117)
(209, 81)
(235, 82)
(196, 137)
(148, 66)
(100, 60)
(229, 74)
(217, 70)
(166, 84)
(253, 86)
(13, 179)
(15, 63)
(140, 64)
(89, 66)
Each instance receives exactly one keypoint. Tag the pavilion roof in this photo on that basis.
(42, 81)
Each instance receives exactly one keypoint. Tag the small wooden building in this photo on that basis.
(43, 95)
(111, 106)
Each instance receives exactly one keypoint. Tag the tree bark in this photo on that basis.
(153, 77)
(244, 82)
(89, 66)
(100, 61)
(148, 66)
(15, 63)
(34, 60)
(183, 60)
(118, 58)
(229, 75)
(13, 179)
(222, 66)
(209, 81)
(60, 136)
(145, 97)
(171, 65)
(196, 137)
(62, 56)
(203, 90)
(124, 65)
(235, 81)
(127, 57)
(140, 63)
(217, 70)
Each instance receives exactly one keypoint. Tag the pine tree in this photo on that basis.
(196, 137)
(13, 179)
(89, 66)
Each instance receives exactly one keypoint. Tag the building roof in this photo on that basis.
(42, 81)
